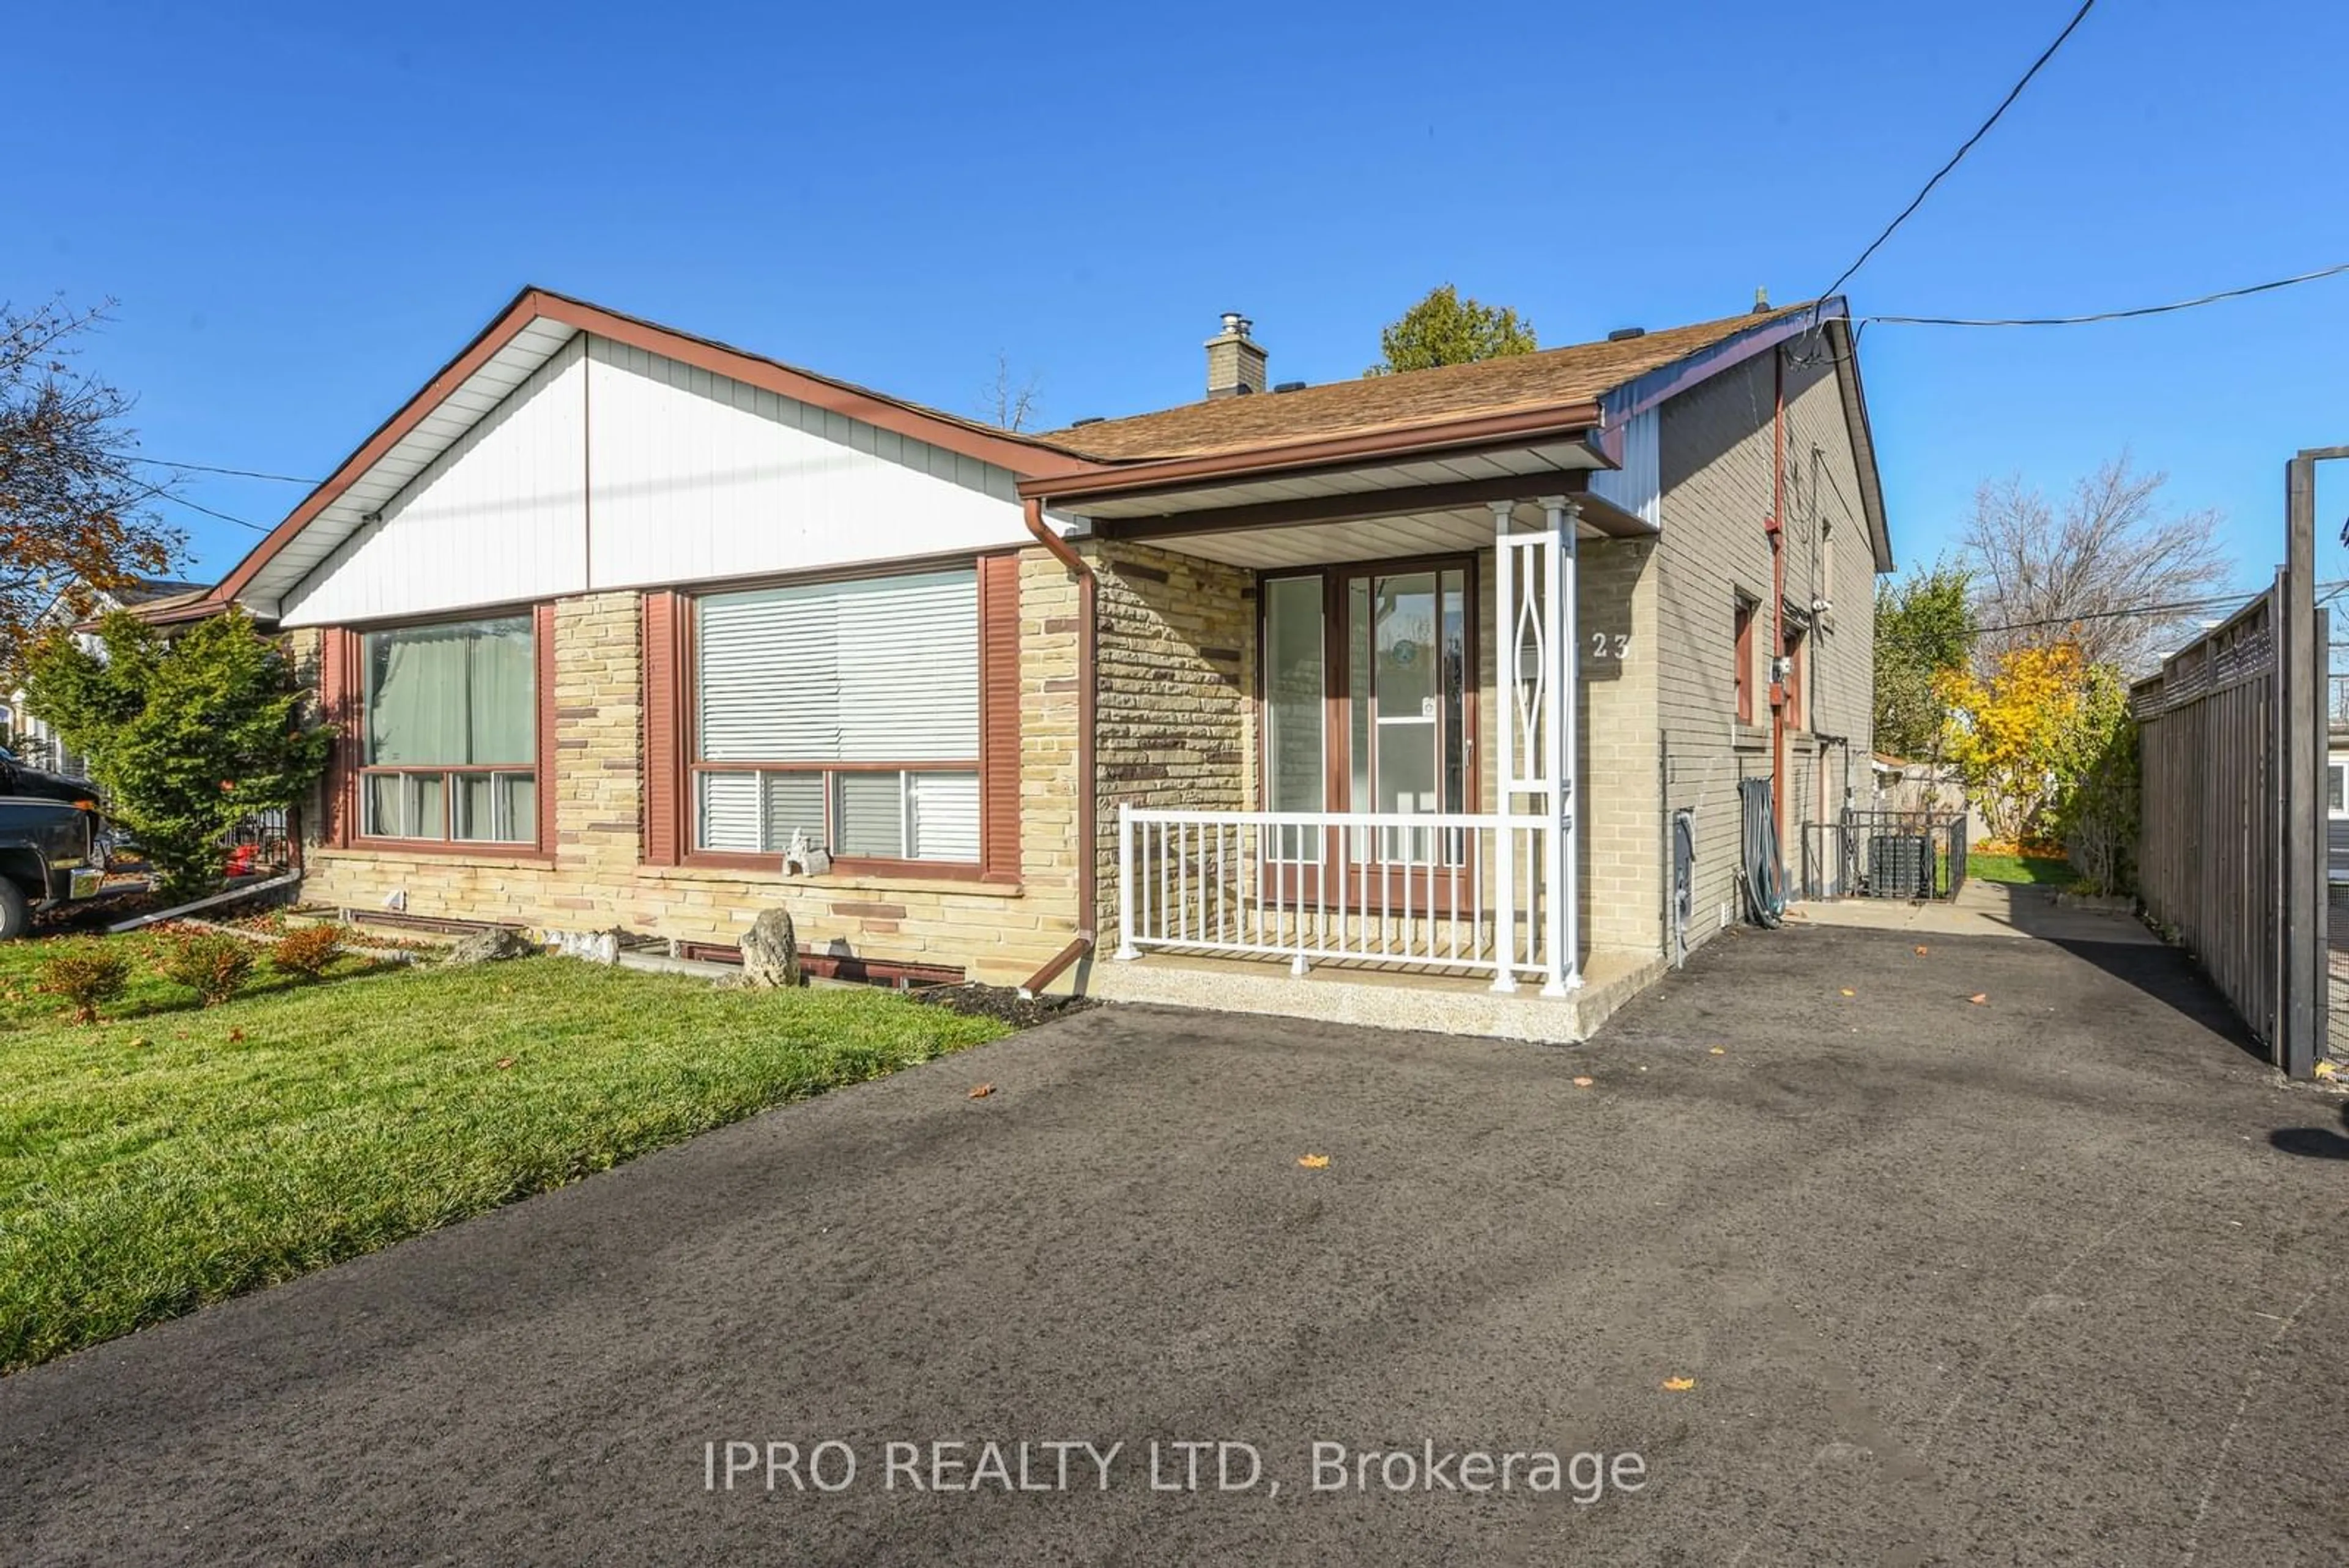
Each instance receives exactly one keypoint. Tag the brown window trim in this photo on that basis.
(1744, 609)
(343, 678)
(672, 728)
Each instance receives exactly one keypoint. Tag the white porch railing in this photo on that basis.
(1443, 891)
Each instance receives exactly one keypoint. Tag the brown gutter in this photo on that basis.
(1088, 834)
(1327, 451)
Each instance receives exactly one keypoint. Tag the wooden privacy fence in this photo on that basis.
(2210, 861)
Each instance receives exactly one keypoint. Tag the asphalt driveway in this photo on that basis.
(2057, 1276)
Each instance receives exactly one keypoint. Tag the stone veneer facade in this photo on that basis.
(596, 878)
(1175, 716)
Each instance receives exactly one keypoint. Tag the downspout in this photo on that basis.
(1777, 529)
(1088, 841)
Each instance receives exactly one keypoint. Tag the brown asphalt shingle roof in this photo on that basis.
(1553, 376)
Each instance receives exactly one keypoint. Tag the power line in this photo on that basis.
(193, 506)
(2198, 300)
(2005, 104)
(209, 468)
(2176, 608)
(2181, 607)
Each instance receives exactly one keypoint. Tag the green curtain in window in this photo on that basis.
(451, 695)
(502, 696)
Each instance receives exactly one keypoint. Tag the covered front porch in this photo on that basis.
(1341, 729)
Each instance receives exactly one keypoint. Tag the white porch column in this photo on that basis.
(1534, 609)
(1564, 906)
(1126, 952)
(1506, 678)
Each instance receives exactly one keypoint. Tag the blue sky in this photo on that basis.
(304, 209)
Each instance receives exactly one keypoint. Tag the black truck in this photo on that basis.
(53, 843)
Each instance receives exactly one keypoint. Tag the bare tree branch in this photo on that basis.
(1005, 402)
(2043, 576)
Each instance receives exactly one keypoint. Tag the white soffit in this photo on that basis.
(459, 412)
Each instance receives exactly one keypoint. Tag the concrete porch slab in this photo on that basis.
(1381, 998)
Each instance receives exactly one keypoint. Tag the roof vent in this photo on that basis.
(1625, 334)
(1088, 419)
(1760, 300)
(1291, 387)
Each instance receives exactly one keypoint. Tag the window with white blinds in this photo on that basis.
(846, 714)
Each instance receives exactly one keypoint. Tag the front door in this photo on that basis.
(1406, 704)
(1369, 704)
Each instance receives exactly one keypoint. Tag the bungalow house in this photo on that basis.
(1417, 698)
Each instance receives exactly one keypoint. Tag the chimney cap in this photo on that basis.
(1625, 334)
(1236, 325)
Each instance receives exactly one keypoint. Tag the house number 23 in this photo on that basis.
(1609, 645)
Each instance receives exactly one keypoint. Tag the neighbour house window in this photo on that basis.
(846, 712)
(2335, 775)
(452, 729)
(1742, 642)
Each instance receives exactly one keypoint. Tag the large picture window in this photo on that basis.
(451, 719)
(846, 714)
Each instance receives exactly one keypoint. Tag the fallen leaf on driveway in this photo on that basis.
(2327, 1070)
(1313, 1161)
(1584, 1082)
(1680, 1385)
(1922, 950)
(1848, 992)
(1979, 997)
(980, 1091)
(1720, 1050)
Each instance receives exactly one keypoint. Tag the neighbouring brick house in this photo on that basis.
(626, 629)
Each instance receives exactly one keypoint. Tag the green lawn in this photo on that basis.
(2036, 870)
(172, 1157)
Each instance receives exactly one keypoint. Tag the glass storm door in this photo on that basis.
(1366, 708)
(1406, 704)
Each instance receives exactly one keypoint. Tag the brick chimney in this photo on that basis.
(1235, 360)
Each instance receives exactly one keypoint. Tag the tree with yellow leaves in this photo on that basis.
(2044, 741)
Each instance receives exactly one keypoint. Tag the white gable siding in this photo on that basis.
(614, 468)
(499, 517)
(697, 477)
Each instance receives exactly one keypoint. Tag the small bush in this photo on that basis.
(308, 951)
(86, 974)
(213, 964)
